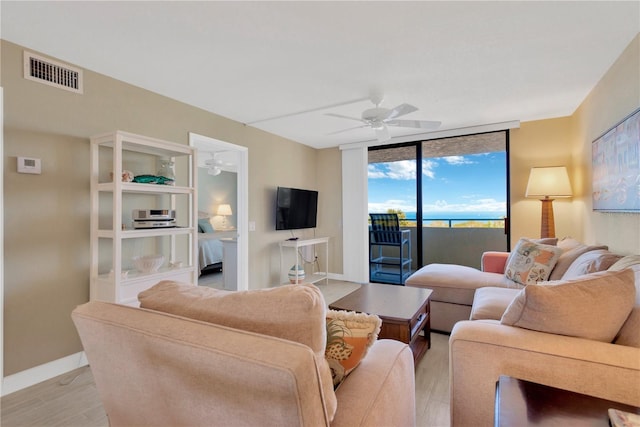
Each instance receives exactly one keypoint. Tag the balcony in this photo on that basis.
(444, 241)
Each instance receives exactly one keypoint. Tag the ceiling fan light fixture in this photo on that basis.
(214, 171)
(378, 118)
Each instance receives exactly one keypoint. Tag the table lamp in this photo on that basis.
(548, 183)
(224, 210)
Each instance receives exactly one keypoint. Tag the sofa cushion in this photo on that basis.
(591, 262)
(456, 283)
(593, 307)
(349, 337)
(491, 303)
(571, 250)
(292, 312)
(531, 262)
(629, 334)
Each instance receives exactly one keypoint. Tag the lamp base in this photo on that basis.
(547, 226)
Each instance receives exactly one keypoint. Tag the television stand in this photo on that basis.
(296, 245)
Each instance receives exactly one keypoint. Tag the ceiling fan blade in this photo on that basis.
(348, 129)
(400, 110)
(383, 134)
(420, 124)
(340, 116)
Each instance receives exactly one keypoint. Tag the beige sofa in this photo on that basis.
(236, 359)
(454, 286)
(482, 350)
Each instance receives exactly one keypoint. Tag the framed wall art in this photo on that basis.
(616, 167)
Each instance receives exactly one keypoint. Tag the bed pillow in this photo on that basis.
(349, 337)
(292, 312)
(531, 262)
(593, 307)
(204, 225)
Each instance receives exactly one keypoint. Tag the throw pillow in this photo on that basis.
(349, 336)
(204, 224)
(553, 241)
(571, 250)
(292, 312)
(590, 262)
(531, 262)
(629, 334)
(592, 307)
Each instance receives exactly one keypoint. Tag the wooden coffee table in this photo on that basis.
(404, 312)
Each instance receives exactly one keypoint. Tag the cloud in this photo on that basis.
(427, 168)
(374, 172)
(458, 160)
(402, 170)
(383, 207)
(478, 205)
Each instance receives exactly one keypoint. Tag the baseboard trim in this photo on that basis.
(37, 374)
(336, 276)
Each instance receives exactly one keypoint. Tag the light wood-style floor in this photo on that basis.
(72, 399)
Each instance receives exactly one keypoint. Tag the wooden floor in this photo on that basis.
(72, 399)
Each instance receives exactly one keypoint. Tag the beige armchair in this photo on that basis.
(155, 369)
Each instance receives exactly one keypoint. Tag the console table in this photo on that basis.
(296, 244)
(523, 403)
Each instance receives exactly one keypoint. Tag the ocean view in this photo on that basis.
(411, 216)
(456, 219)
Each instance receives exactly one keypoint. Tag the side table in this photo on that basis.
(523, 403)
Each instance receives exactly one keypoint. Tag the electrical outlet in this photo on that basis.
(252, 226)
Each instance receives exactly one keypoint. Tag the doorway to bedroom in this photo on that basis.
(222, 199)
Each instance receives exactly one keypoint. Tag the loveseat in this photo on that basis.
(454, 286)
(208, 357)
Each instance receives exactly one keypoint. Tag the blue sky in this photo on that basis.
(473, 184)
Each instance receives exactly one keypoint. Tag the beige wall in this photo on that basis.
(539, 143)
(616, 95)
(568, 141)
(46, 216)
(330, 204)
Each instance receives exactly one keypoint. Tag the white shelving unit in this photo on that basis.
(296, 245)
(114, 241)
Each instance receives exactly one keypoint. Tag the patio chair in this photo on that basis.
(389, 250)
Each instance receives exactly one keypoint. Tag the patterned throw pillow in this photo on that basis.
(531, 262)
(349, 336)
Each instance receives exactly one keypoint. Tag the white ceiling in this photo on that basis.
(462, 63)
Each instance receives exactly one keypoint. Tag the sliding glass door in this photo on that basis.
(451, 193)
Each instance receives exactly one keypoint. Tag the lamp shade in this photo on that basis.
(546, 182)
(224, 209)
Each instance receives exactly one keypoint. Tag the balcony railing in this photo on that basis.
(456, 222)
(456, 241)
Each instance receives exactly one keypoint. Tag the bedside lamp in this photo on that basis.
(547, 183)
(224, 210)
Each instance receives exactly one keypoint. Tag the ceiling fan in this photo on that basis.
(379, 118)
(213, 165)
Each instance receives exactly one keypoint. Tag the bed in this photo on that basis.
(210, 250)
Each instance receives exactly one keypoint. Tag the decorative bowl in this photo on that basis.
(148, 263)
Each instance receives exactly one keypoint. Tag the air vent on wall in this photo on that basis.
(52, 73)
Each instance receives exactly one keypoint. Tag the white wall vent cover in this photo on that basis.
(52, 73)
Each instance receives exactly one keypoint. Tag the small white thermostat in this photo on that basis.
(29, 165)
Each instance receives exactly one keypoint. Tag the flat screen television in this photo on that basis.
(296, 208)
